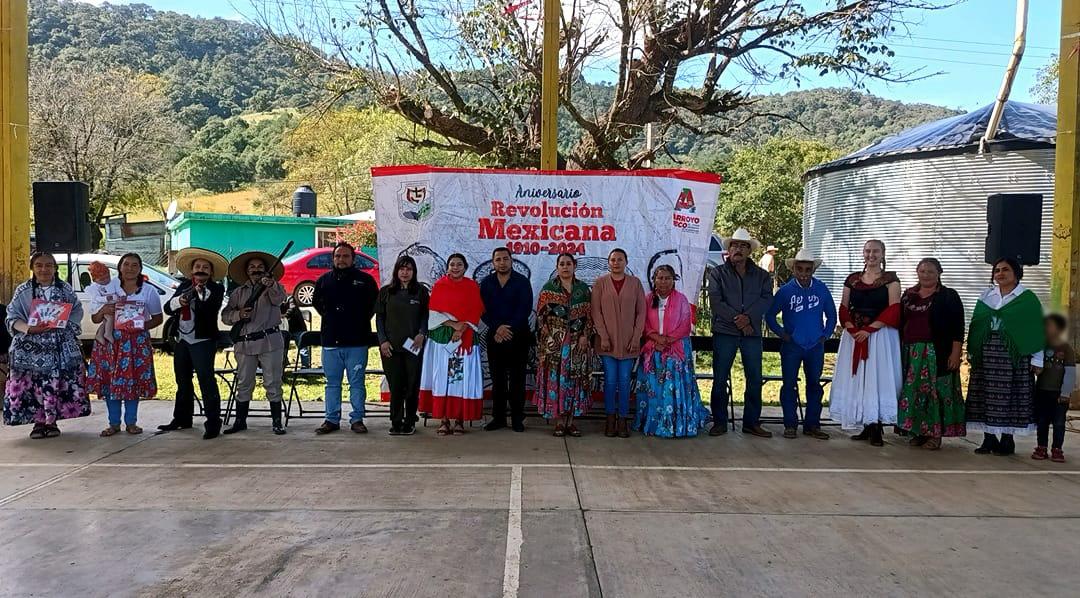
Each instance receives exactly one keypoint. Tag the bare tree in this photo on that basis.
(110, 129)
(470, 70)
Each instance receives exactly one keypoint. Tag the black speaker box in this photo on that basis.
(61, 216)
(1013, 227)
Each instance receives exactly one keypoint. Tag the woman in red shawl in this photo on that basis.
(451, 380)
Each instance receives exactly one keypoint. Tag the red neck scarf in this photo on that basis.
(461, 299)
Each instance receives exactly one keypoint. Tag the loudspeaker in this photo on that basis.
(1013, 227)
(61, 222)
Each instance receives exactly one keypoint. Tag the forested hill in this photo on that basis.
(209, 66)
(219, 67)
(842, 118)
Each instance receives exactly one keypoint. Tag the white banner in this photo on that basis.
(656, 216)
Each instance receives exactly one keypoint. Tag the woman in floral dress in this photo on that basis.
(932, 332)
(122, 372)
(47, 378)
(669, 403)
(564, 374)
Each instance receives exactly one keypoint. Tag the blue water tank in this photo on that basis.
(303, 202)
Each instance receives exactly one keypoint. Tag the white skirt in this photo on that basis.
(444, 373)
(871, 395)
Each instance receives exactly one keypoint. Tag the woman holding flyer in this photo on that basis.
(123, 371)
(47, 380)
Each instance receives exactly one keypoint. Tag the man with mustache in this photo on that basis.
(261, 343)
(739, 294)
(195, 305)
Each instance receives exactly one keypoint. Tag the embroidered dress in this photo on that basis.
(868, 379)
(669, 403)
(564, 373)
(47, 378)
(451, 377)
(1005, 333)
(931, 401)
(123, 370)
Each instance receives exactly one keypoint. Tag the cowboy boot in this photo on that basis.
(609, 426)
(624, 427)
(240, 422)
(275, 417)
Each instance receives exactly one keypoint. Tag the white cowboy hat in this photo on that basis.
(804, 255)
(187, 256)
(743, 235)
(771, 248)
(238, 265)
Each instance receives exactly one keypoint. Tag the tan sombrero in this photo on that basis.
(187, 256)
(804, 255)
(743, 235)
(238, 265)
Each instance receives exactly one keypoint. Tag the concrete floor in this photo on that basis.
(498, 513)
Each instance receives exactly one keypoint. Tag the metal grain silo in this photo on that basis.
(923, 192)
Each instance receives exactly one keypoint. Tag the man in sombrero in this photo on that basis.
(809, 317)
(261, 344)
(195, 305)
(739, 294)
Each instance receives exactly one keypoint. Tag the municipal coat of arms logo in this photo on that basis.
(414, 200)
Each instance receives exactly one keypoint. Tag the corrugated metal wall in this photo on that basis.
(933, 207)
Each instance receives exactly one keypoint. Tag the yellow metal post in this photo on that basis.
(1065, 285)
(549, 96)
(14, 147)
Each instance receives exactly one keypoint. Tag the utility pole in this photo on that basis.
(14, 147)
(1065, 284)
(549, 96)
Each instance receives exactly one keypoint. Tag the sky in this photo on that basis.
(969, 44)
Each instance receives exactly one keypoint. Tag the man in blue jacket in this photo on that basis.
(345, 298)
(739, 294)
(809, 317)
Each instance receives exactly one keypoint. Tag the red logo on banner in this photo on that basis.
(685, 203)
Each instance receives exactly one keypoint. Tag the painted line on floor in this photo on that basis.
(674, 468)
(43, 484)
(512, 567)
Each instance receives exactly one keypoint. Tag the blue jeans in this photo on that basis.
(353, 362)
(812, 361)
(617, 385)
(724, 348)
(131, 412)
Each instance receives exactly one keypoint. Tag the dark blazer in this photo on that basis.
(205, 313)
(946, 324)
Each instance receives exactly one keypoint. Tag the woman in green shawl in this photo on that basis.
(1005, 345)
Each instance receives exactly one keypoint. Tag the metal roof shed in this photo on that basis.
(923, 192)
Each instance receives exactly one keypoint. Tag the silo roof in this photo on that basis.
(1022, 126)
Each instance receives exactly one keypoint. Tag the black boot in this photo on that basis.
(240, 423)
(174, 425)
(875, 435)
(864, 435)
(275, 416)
(211, 430)
(1006, 447)
(989, 445)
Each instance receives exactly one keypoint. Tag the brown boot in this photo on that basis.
(609, 427)
(624, 427)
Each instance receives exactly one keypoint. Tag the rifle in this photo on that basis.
(256, 294)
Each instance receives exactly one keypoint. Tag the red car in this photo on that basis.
(304, 268)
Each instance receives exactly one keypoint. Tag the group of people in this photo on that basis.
(900, 352)
(898, 361)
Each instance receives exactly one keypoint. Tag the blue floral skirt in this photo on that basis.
(669, 404)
